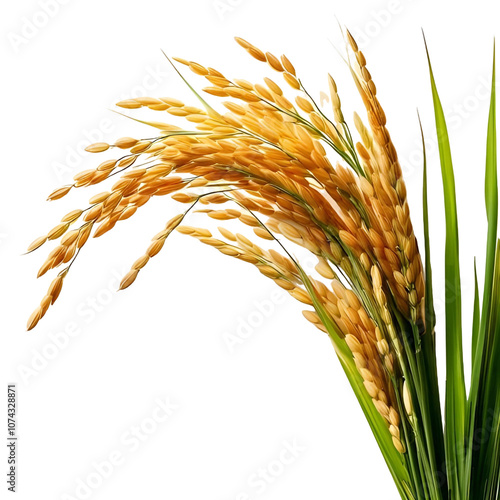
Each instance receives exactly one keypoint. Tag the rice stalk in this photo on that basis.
(292, 174)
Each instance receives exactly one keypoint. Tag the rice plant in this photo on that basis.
(297, 177)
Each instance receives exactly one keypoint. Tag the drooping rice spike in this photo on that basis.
(293, 176)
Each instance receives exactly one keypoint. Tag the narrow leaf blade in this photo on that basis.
(455, 398)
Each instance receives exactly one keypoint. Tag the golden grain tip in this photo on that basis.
(230, 251)
(243, 43)
(128, 212)
(273, 86)
(215, 91)
(353, 344)
(325, 270)
(107, 165)
(127, 161)
(112, 200)
(140, 262)
(72, 216)
(57, 231)
(84, 235)
(34, 319)
(55, 288)
(262, 233)
(83, 177)
(257, 54)
(37, 243)
(100, 197)
(45, 304)
(291, 80)
(226, 233)
(394, 417)
(155, 247)
(97, 147)
(128, 104)
(361, 59)
(302, 296)
(171, 101)
(126, 142)
(139, 148)
(104, 227)
(269, 271)
(310, 315)
(399, 445)
(174, 221)
(70, 237)
(44, 268)
(304, 104)
(180, 60)
(128, 279)
(351, 41)
(59, 193)
(184, 197)
(288, 65)
(198, 68)
(274, 62)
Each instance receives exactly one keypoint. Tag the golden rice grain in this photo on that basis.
(59, 193)
(97, 147)
(36, 243)
(126, 142)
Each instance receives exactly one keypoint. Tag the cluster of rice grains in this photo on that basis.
(264, 163)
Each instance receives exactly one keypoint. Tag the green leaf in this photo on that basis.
(430, 315)
(431, 417)
(484, 382)
(491, 198)
(455, 398)
(476, 314)
(486, 480)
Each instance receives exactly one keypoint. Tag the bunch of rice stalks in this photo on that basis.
(267, 162)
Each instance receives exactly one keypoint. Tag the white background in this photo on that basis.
(164, 337)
